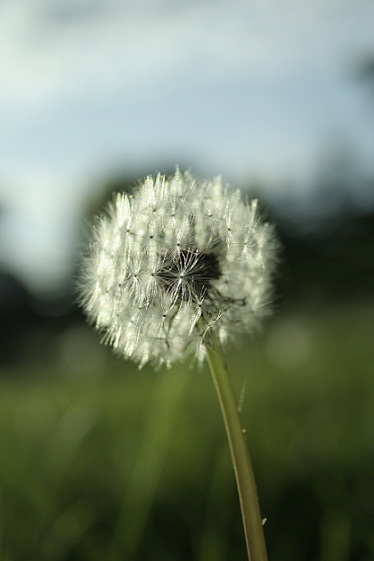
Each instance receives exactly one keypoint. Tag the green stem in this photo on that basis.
(253, 530)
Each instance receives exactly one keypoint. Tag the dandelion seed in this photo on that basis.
(181, 265)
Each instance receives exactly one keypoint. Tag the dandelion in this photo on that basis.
(178, 267)
(184, 267)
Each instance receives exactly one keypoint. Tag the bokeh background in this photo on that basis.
(97, 460)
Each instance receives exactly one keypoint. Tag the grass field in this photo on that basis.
(101, 462)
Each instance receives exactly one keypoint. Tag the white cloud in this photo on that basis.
(234, 86)
(46, 58)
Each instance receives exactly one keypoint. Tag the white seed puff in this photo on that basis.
(181, 264)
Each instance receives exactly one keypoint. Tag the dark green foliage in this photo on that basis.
(122, 465)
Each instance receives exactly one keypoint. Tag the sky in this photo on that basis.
(244, 89)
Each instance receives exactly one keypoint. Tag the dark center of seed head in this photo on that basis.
(195, 270)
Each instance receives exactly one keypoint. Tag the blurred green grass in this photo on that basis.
(125, 465)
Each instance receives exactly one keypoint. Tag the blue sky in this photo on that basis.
(245, 89)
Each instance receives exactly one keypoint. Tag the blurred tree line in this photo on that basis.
(327, 255)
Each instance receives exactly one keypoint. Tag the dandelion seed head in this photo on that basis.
(181, 264)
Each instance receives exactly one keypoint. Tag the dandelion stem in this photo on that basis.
(245, 481)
